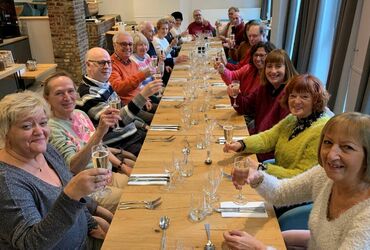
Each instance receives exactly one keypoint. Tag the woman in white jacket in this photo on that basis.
(339, 188)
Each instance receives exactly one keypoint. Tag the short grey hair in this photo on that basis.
(120, 33)
(18, 105)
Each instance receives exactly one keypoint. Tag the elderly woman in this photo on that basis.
(263, 105)
(42, 206)
(340, 189)
(141, 57)
(74, 135)
(295, 139)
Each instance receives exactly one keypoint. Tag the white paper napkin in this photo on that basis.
(223, 106)
(147, 183)
(218, 84)
(142, 182)
(178, 80)
(172, 98)
(182, 67)
(251, 204)
(221, 140)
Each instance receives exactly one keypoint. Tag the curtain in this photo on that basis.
(266, 10)
(304, 35)
(363, 99)
(341, 41)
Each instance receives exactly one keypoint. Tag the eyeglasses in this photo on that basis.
(124, 44)
(102, 63)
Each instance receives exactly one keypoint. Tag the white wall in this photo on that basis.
(139, 10)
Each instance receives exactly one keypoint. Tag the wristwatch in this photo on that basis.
(262, 167)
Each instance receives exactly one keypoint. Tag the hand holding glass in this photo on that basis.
(115, 102)
(235, 86)
(240, 174)
(228, 133)
(100, 159)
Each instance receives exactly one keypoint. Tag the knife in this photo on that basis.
(147, 179)
(240, 209)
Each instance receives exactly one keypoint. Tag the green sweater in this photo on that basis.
(294, 156)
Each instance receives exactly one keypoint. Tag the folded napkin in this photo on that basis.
(221, 140)
(182, 67)
(223, 106)
(178, 79)
(148, 179)
(245, 213)
(172, 98)
(218, 84)
(164, 127)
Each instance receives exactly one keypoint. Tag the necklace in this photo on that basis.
(25, 164)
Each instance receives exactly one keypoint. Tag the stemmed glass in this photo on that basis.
(170, 169)
(99, 154)
(235, 86)
(240, 173)
(158, 76)
(115, 102)
(214, 179)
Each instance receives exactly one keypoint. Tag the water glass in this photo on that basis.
(196, 212)
(187, 168)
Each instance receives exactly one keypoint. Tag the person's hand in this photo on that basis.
(230, 43)
(168, 69)
(220, 67)
(182, 58)
(87, 182)
(147, 71)
(240, 240)
(124, 169)
(108, 119)
(104, 214)
(151, 88)
(148, 105)
(233, 146)
(231, 91)
(174, 42)
(98, 233)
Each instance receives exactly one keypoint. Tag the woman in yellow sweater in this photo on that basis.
(295, 139)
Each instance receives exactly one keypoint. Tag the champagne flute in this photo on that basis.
(154, 61)
(228, 133)
(158, 76)
(235, 86)
(115, 102)
(100, 159)
(240, 173)
(232, 40)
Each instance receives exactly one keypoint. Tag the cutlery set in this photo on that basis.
(172, 98)
(162, 139)
(165, 127)
(221, 140)
(147, 204)
(223, 106)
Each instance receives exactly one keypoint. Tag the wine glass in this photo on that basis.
(154, 61)
(235, 86)
(232, 40)
(99, 154)
(158, 76)
(228, 133)
(240, 173)
(115, 102)
(214, 179)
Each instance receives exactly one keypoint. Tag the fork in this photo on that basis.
(143, 202)
(164, 139)
(133, 206)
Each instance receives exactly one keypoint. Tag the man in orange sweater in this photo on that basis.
(126, 76)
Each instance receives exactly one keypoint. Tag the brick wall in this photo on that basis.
(69, 35)
(96, 32)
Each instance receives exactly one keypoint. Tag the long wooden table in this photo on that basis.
(139, 229)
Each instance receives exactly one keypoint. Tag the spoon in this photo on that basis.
(209, 245)
(164, 222)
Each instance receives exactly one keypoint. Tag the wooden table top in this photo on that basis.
(139, 229)
(42, 70)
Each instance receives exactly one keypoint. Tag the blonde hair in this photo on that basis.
(356, 125)
(18, 105)
(139, 38)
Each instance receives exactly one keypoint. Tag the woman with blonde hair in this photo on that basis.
(42, 205)
(339, 188)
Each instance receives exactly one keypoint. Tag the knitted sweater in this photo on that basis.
(125, 79)
(37, 215)
(294, 156)
(195, 28)
(70, 136)
(94, 100)
(351, 230)
(248, 76)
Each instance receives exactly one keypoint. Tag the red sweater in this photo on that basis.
(264, 105)
(248, 76)
(195, 28)
(125, 79)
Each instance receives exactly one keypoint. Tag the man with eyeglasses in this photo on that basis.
(126, 76)
(200, 25)
(95, 92)
(147, 28)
